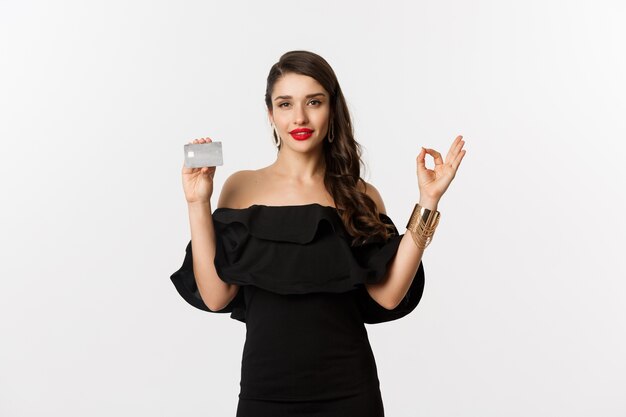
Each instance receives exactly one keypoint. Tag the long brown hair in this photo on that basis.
(359, 212)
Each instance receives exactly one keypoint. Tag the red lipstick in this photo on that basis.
(301, 133)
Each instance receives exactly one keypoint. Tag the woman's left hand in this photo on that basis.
(434, 182)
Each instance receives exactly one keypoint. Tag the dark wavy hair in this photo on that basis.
(358, 211)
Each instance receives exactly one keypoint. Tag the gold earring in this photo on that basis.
(277, 139)
(331, 133)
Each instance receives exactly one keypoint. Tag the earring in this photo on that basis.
(331, 133)
(277, 139)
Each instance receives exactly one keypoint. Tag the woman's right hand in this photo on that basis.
(198, 182)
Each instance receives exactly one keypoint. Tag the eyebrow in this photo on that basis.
(308, 96)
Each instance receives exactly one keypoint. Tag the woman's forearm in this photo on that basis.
(402, 269)
(215, 293)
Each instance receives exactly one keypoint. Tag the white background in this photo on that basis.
(523, 312)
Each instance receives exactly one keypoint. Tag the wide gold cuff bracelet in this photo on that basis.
(422, 225)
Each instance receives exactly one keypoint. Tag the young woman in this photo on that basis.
(303, 253)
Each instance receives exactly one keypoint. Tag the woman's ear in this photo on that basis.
(270, 116)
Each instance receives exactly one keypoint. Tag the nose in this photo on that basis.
(300, 115)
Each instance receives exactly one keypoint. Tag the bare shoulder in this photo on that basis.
(236, 188)
(373, 193)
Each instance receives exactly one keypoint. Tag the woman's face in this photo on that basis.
(300, 102)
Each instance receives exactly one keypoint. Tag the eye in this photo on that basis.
(316, 101)
(281, 104)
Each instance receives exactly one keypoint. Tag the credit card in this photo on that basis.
(198, 155)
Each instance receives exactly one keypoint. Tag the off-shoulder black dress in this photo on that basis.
(304, 303)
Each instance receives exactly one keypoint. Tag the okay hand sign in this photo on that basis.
(434, 182)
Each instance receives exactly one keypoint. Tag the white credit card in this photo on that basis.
(198, 155)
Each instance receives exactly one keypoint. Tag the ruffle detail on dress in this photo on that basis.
(185, 282)
(373, 258)
(297, 250)
(294, 224)
(372, 312)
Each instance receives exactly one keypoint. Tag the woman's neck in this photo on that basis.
(299, 166)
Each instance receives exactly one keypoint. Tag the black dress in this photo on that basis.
(303, 300)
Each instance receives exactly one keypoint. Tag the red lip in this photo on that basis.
(301, 133)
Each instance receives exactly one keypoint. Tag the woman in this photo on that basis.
(304, 254)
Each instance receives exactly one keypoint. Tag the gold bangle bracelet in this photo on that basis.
(422, 225)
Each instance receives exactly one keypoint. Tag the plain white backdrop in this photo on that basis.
(523, 312)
